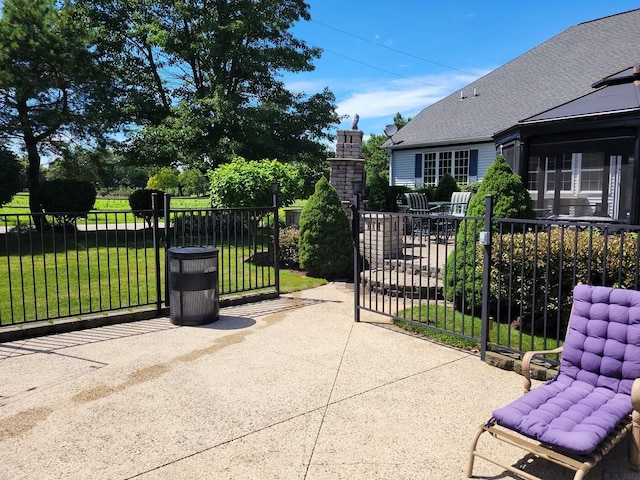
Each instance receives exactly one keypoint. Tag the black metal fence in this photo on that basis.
(115, 260)
(487, 283)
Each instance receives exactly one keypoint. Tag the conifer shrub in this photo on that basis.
(324, 245)
(445, 188)
(67, 199)
(511, 199)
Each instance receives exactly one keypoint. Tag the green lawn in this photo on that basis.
(59, 275)
(440, 317)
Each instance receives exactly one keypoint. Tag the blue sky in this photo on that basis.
(383, 57)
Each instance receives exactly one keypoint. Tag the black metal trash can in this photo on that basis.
(193, 284)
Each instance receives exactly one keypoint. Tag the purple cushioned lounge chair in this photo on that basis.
(576, 418)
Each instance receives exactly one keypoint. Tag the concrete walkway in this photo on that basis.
(284, 389)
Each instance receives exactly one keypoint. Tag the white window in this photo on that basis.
(437, 164)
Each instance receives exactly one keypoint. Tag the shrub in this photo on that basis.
(289, 256)
(560, 258)
(381, 197)
(243, 183)
(445, 188)
(140, 203)
(325, 248)
(511, 199)
(66, 199)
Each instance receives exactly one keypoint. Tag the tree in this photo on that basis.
(193, 182)
(52, 85)
(511, 199)
(324, 244)
(166, 180)
(380, 196)
(243, 183)
(10, 175)
(229, 97)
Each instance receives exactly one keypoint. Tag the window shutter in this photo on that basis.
(473, 163)
(418, 166)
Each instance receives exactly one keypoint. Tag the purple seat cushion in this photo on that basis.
(600, 361)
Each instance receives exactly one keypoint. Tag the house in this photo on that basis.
(579, 159)
(458, 133)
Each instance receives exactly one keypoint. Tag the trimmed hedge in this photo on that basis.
(67, 199)
(539, 270)
(141, 205)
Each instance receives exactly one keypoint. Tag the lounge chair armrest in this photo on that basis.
(526, 364)
(635, 395)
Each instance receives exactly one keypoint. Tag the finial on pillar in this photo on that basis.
(354, 123)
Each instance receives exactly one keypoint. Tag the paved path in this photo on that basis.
(284, 389)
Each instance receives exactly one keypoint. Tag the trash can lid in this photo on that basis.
(192, 252)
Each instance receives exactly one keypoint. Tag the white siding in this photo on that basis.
(403, 162)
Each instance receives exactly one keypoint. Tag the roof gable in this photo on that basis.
(555, 72)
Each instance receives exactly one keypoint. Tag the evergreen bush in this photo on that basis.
(324, 247)
(511, 199)
(445, 188)
(66, 199)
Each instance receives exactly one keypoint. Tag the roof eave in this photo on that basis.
(400, 145)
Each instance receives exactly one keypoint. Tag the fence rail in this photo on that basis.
(54, 267)
(512, 294)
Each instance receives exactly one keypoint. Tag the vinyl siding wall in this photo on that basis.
(403, 163)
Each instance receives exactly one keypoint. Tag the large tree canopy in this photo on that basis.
(188, 83)
(226, 58)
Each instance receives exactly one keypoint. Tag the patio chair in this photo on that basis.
(578, 417)
(450, 214)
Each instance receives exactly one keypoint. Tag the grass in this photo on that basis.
(59, 275)
(440, 319)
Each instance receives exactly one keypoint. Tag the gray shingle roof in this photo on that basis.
(559, 70)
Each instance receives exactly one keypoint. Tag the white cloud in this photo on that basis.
(405, 96)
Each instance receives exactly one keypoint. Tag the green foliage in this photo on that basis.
(10, 175)
(231, 57)
(166, 180)
(463, 282)
(471, 187)
(309, 171)
(193, 183)
(67, 199)
(141, 204)
(562, 258)
(445, 188)
(381, 197)
(325, 248)
(289, 257)
(243, 183)
(52, 82)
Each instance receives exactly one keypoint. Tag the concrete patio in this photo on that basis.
(283, 389)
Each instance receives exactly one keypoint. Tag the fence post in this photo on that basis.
(167, 245)
(275, 189)
(355, 239)
(485, 240)
(155, 211)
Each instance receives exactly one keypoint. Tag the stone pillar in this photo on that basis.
(347, 169)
